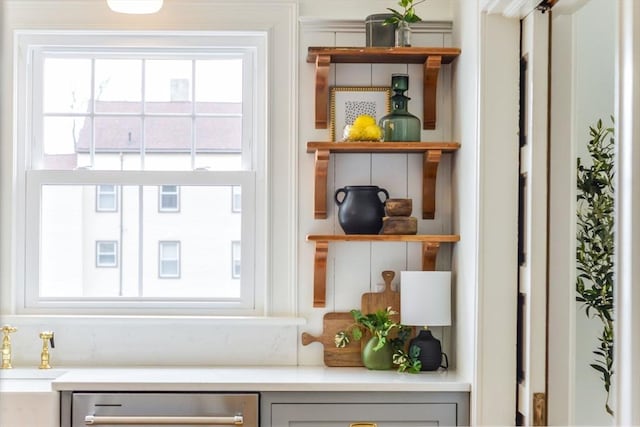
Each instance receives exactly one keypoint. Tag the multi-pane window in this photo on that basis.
(236, 199)
(169, 198)
(106, 198)
(235, 260)
(169, 260)
(143, 125)
(106, 254)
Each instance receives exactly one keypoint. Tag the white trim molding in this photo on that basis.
(509, 8)
(627, 260)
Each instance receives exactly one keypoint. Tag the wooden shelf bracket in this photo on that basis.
(429, 174)
(429, 100)
(320, 186)
(323, 62)
(320, 273)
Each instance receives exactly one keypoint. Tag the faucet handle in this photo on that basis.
(47, 338)
(6, 346)
(8, 329)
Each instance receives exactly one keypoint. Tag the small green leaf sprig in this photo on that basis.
(408, 15)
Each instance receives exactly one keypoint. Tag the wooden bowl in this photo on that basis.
(398, 207)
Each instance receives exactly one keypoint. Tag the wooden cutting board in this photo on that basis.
(374, 301)
(334, 356)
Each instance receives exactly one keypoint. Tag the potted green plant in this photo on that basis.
(402, 20)
(595, 240)
(377, 353)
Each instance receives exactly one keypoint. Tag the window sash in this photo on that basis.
(106, 199)
(36, 179)
(168, 199)
(103, 253)
(168, 263)
(30, 45)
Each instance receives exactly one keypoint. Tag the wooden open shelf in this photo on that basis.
(432, 153)
(431, 57)
(430, 246)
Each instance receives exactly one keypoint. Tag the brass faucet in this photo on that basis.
(47, 337)
(6, 346)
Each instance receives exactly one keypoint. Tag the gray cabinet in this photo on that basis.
(385, 409)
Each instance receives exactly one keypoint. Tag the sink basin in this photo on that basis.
(30, 374)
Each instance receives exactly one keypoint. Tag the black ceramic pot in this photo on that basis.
(360, 211)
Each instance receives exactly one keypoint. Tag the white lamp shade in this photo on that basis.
(425, 298)
(135, 6)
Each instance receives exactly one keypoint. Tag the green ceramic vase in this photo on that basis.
(380, 360)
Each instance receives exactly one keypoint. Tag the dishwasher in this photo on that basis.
(80, 409)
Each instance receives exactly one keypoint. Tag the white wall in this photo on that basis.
(583, 83)
(158, 341)
(594, 74)
(210, 341)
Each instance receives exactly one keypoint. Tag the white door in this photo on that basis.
(532, 240)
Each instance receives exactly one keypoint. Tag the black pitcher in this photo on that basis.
(360, 211)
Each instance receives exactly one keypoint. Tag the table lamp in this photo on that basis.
(425, 300)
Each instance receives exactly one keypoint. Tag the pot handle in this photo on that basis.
(386, 193)
(338, 191)
(446, 360)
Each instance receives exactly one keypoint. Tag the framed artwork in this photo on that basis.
(348, 102)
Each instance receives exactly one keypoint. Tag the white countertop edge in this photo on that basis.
(257, 379)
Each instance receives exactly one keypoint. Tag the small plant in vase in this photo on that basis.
(403, 19)
(378, 352)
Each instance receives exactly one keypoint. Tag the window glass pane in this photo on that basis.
(106, 198)
(169, 198)
(118, 85)
(168, 86)
(236, 199)
(204, 226)
(67, 85)
(167, 134)
(235, 260)
(106, 254)
(118, 143)
(219, 85)
(60, 139)
(219, 134)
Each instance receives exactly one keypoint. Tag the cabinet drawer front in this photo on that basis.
(343, 414)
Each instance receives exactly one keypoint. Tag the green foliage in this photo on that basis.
(380, 325)
(408, 362)
(407, 15)
(595, 239)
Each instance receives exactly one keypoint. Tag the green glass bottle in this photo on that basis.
(400, 124)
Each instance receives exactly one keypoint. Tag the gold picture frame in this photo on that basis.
(348, 102)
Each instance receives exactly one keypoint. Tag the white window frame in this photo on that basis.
(162, 258)
(101, 192)
(99, 253)
(162, 193)
(254, 141)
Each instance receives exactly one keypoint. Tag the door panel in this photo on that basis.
(532, 274)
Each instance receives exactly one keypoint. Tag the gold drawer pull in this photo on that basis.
(363, 425)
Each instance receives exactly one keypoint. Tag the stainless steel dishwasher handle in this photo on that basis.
(92, 420)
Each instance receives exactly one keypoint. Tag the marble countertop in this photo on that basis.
(239, 378)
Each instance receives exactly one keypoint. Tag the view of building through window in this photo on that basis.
(122, 112)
